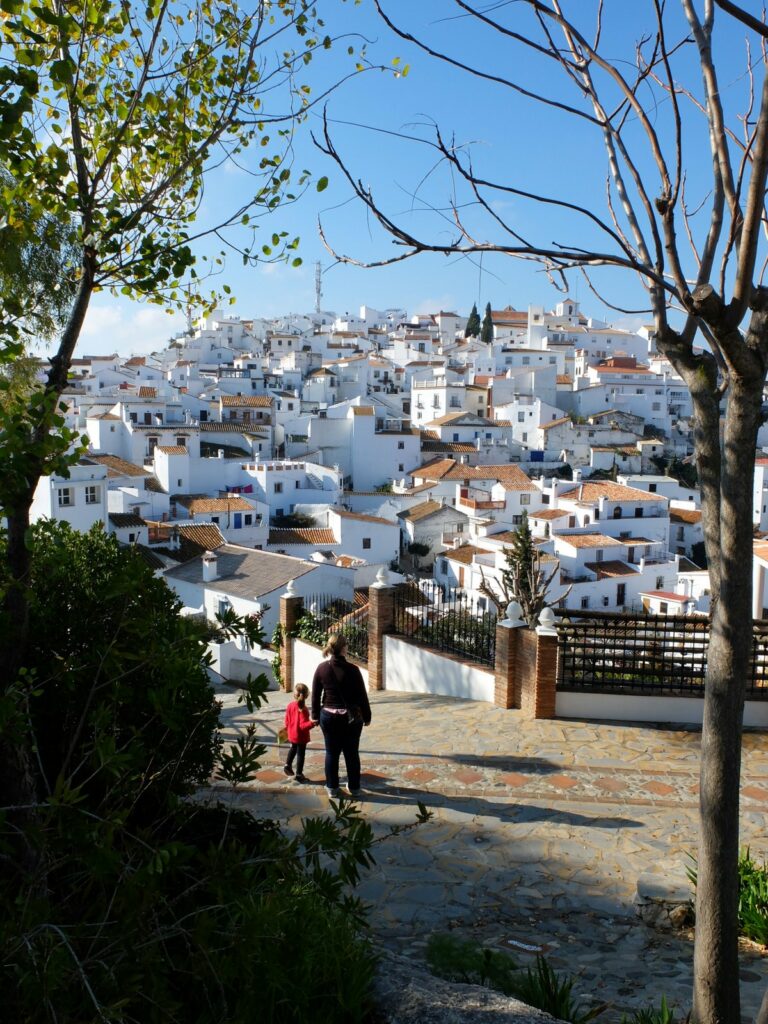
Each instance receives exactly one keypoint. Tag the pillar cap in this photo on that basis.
(546, 626)
(382, 578)
(514, 615)
(290, 590)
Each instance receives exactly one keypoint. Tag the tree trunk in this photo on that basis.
(17, 771)
(716, 973)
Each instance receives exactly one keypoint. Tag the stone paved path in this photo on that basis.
(540, 833)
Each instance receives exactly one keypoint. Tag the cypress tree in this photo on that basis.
(486, 331)
(473, 323)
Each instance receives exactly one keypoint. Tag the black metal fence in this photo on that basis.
(653, 655)
(447, 620)
(325, 614)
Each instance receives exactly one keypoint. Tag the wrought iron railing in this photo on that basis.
(325, 614)
(446, 620)
(653, 655)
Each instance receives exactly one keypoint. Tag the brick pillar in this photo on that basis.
(291, 610)
(538, 664)
(506, 670)
(381, 619)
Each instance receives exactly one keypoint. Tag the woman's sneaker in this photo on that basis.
(300, 777)
(333, 794)
(287, 769)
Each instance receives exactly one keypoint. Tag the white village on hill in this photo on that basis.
(321, 448)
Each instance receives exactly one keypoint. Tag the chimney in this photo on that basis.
(221, 453)
(577, 476)
(210, 562)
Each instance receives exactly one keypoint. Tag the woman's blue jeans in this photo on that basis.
(341, 737)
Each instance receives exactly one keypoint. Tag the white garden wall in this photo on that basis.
(413, 669)
(306, 658)
(619, 708)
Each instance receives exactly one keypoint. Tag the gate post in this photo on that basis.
(507, 677)
(291, 610)
(381, 619)
(539, 662)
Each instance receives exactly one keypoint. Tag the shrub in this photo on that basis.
(753, 896)
(467, 961)
(129, 901)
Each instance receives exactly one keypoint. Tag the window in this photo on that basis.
(66, 497)
(517, 520)
(92, 494)
(179, 482)
(663, 606)
(525, 436)
(400, 445)
(131, 538)
(366, 543)
(638, 512)
(278, 488)
(215, 519)
(599, 555)
(652, 488)
(401, 467)
(659, 582)
(621, 593)
(681, 533)
(585, 602)
(656, 406)
(134, 417)
(248, 519)
(459, 527)
(521, 417)
(525, 499)
(606, 600)
(443, 565)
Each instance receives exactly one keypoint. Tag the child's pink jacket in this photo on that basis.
(297, 723)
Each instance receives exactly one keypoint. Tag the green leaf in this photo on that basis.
(322, 184)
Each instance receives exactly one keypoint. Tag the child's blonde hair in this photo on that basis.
(300, 694)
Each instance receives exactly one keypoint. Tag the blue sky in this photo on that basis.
(511, 140)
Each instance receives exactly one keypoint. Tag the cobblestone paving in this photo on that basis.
(540, 833)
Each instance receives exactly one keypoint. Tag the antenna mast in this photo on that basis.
(318, 285)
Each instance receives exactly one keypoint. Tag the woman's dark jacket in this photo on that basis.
(339, 684)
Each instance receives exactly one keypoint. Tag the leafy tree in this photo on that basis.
(657, 106)
(145, 904)
(524, 579)
(486, 330)
(417, 549)
(112, 116)
(472, 329)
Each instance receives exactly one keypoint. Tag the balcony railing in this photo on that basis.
(472, 503)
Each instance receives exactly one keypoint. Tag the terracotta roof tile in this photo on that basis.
(197, 503)
(360, 517)
(147, 392)
(464, 554)
(592, 492)
(247, 401)
(302, 535)
(685, 515)
(117, 466)
(123, 520)
(173, 449)
(197, 538)
(610, 568)
(591, 540)
(420, 511)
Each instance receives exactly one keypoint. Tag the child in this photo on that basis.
(297, 724)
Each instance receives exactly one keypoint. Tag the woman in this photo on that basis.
(340, 705)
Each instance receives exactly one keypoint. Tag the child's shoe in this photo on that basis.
(287, 769)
